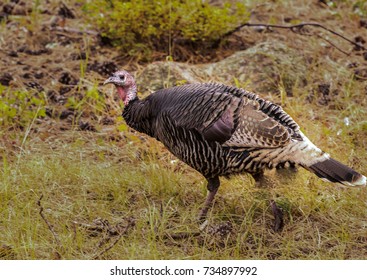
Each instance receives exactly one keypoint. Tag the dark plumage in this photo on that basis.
(221, 130)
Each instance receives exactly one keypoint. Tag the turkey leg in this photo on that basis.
(213, 185)
(260, 181)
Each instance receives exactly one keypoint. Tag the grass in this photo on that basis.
(87, 179)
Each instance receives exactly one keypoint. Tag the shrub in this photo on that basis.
(18, 108)
(138, 27)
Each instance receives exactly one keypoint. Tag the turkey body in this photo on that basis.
(215, 129)
(221, 130)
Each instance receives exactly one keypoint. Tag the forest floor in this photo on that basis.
(76, 183)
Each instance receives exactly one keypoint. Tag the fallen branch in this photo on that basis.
(98, 226)
(50, 227)
(130, 223)
(297, 28)
(331, 43)
(73, 30)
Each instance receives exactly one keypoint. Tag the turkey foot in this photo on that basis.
(278, 215)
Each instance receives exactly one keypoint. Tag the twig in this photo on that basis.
(339, 49)
(74, 30)
(182, 235)
(73, 226)
(298, 27)
(106, 238)
(50, 227)
(99, 226)
(131, 222)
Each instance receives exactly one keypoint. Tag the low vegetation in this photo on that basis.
(19, 107)
(139, 28)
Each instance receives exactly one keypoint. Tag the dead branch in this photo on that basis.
(98, 226)
(123, 231)
(73, 30)
(50, 227)
(298, 28)
(332, 44)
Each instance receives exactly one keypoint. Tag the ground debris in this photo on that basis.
(6, 252)
(68, 79)
(100, 225)
(5, 79)
(49, 225)
(106, 68)
(181, 235)
(65, 11)
(86, 126)
(221, 230)
(360, 74)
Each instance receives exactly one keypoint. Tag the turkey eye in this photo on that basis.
(122, 77)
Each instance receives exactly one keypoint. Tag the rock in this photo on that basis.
(252, 67)
(159, 75)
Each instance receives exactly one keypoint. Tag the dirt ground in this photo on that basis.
(50, 49)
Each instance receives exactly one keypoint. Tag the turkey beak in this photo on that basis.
(110, 80)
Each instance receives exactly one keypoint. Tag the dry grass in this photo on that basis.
(93, 187)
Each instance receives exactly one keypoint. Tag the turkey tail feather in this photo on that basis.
(336, 172)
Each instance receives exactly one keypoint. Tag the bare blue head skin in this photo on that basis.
(125, 85)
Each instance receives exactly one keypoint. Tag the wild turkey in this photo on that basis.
(221, 130)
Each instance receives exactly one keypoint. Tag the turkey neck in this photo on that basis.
(138, 115)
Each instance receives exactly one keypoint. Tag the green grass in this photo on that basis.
(84, 177)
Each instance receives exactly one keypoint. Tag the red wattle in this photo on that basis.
(122, 93)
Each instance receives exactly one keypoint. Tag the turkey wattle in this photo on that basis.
(221, 130)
